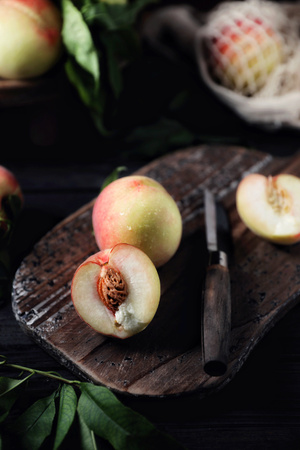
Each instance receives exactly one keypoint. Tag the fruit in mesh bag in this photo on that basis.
(245, 49)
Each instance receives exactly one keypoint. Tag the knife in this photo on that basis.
(216, 300)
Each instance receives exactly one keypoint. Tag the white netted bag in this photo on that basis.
(248, 53)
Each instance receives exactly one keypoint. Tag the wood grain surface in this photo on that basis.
(18, 93)
(165, 359)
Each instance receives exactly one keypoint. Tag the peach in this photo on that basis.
(138, 210)
(8, 185)
(117, 291)
(11, 199)
(30, 37)
(245, 53)
(270, 206)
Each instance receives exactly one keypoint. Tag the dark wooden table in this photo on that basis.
(260, 408)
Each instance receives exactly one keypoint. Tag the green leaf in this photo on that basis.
(125, 429)
(35, 424)
(113, 65)
(8, 384)
(87, 436)
(12, 205)
(66, 413)
(92, 99)
(98, 14)
(98, 38)
(78, 40)
(157, 138)
(101, 421)
(9, 393)
(119, 47)
(83, 66)
(114, 16)
(84, 84)
(6, 227)
(113, 176)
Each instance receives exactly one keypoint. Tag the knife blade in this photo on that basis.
(216, 299)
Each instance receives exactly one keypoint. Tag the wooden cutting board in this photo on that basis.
(165, 359)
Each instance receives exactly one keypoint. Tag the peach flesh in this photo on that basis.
(270, 206)
(138, 210)
(137, 296)
(30, 38)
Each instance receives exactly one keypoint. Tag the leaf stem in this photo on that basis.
(53, 375)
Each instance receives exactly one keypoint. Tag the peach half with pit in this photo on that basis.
(270, 206)
(116, 291)
(30, 38)
(138, 210)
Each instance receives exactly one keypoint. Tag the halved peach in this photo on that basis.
(117, 291)
(270, 206)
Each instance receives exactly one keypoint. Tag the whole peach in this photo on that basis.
(245, 53)
(11, 199)
(30, 37)
(8, 185)
(138, 210)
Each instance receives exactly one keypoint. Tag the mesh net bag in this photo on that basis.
(249, 54)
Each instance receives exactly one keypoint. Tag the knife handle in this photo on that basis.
(216, 316)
